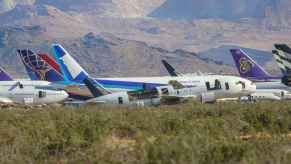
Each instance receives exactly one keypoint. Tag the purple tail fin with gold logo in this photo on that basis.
(248, 68)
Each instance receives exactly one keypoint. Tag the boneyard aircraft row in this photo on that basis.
(130, 91)
(54, 79)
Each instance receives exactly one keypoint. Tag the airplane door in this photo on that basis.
(41, 94)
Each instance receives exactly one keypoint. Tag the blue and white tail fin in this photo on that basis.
(4, 76)
(71, 69)
(247, 67)
(37, 68)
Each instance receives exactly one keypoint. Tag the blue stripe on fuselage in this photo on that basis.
(127, 85)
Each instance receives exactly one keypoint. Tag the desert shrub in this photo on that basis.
(187, 133)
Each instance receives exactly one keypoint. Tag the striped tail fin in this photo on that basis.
(280, 58)
(282, 55)
(37, 68)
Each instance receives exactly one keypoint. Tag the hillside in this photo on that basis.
(104, 54)
(114, 8)
(223, 9)
(275, 13)
(47, 21)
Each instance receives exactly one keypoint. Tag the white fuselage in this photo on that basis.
(30, 92)
(205, 86)
(272, 90)
(276, 84)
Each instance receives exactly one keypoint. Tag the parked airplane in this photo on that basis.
(152, 97)
(265, 94)
(28, 92)
(268, 87)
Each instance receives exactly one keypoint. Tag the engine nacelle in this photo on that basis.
(208, 97)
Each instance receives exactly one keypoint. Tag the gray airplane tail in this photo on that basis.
(171, 70)
(95, 88)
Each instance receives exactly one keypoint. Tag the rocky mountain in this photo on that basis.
(103, 54)
(223, 9)
(112, 8)
(105, 30)
(173, 9)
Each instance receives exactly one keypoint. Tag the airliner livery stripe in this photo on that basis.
(50, 61)
(111, 84)
(128, 85)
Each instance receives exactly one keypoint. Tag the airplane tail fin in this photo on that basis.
(171, 70)
(37, 68)
(95, 88)
(4, 76)
(70, 68)
(247, 67)
(280, 57)
(283, 53)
